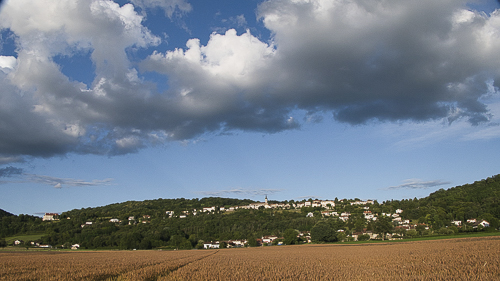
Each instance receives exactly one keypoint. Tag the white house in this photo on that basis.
(482, 223)
(268, 239)
(328, 203)
(457, 223)
(50, 216)
(114, 220)
(209, 209)
(471, 220)
(211, 245)
(344, 218)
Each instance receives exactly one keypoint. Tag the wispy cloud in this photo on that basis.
(418, 184)
(10, 171)
(56, 182)
(66, 182)
(240, 191)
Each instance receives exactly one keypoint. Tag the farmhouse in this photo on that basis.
(482, 223)
(268, 239)
(50, 217)
(211, 245)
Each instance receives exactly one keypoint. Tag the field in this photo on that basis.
(32, 237)
(452, 259)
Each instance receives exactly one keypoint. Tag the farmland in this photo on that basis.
(454, 259)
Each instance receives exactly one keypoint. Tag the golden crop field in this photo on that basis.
(451, 259)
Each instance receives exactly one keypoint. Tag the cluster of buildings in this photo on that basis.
(327, 204)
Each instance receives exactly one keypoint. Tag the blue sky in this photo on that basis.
(104, 102)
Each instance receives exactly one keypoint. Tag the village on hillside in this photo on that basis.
(400, 229)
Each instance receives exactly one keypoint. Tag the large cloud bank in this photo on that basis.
(358, 60)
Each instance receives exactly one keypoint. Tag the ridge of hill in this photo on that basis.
(4, 213)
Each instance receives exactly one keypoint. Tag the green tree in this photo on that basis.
(290, 236)
(383, 225)
(322, 232)
(3, 243)
(412, 233)
(363, 237)
(252, 241)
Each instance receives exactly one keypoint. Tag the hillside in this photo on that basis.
(4, 214)
(183, 223)
(480, 199)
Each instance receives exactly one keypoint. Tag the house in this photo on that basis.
(131, 218)
(211, 245)
(398, 220)
(482, 223)
(268, 239)
(237, 243)
(75, 246)
(169, 213)
(114, 220)
(309, 215)
(399, 211)
(18, 242)
(471, 221)
(344, 218)
(328, 204)
(209, 209)
(50, 216)
(457, 223)
(88, 223)
(146, 217)
(45, 246)
(362, 202)
(316, 203)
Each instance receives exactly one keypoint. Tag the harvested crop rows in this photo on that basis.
(454, 259)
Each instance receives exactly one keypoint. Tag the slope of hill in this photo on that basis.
(480, 199)
(4, 214)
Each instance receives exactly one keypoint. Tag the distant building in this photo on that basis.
(50, 216)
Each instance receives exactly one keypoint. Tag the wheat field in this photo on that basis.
(450, 259)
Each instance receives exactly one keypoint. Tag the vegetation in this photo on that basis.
(150, 224)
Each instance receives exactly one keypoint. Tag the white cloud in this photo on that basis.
(7, 63)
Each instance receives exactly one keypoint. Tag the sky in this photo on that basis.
(108, 101)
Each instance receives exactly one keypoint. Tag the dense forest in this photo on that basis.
(146, 224)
